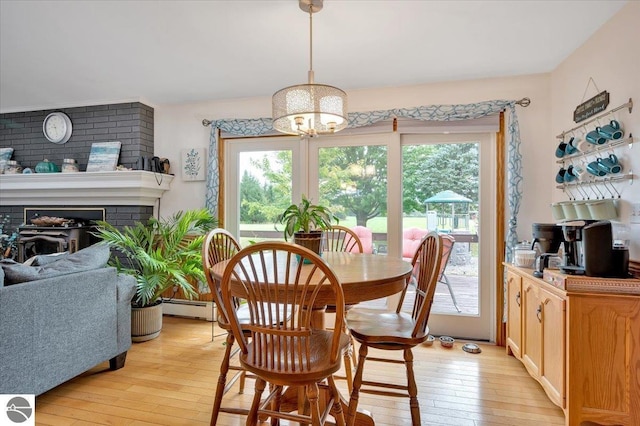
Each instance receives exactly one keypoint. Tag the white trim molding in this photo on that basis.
(129, 188)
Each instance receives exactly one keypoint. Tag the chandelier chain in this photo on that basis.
(311, 44)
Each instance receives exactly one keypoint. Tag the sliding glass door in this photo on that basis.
(448, 183)
(380, 183)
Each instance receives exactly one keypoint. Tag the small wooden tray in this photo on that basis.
(582, 283)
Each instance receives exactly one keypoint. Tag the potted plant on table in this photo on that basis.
(160, 254)
(305, 223)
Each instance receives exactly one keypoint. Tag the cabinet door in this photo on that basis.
(604, 359)
(531, 328)
(514, 314)
(552, 372)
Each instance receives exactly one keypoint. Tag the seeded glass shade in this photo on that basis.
(309, 110)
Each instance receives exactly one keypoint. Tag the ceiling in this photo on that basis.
(70, 53)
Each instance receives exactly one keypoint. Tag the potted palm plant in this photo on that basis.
(160, 254)
(305, 223)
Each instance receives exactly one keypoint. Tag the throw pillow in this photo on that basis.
(44, 259)
(92, 257)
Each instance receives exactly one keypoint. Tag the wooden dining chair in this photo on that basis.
(219, 244)
(274, 280)
(397, 330)
(341, 238)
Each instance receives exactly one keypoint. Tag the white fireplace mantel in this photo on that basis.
(135, 187)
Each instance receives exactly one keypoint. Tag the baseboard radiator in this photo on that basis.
(189, 308)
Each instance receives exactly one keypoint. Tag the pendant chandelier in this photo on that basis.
(310, 109)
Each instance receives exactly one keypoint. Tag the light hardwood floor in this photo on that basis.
(171, 381)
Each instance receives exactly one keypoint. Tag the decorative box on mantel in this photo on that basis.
(130, 188)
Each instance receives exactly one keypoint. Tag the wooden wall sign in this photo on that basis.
(591, 107)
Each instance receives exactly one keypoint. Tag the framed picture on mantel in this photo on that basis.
(103, 156)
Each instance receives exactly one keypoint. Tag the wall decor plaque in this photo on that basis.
(591, 107)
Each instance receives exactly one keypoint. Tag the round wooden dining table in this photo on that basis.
(363, 277)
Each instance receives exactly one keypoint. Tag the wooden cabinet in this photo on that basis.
(543, 336)
(603, 374)
(552, 375)
(514, 314)
(582, 347)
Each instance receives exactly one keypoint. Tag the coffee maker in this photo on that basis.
(590, 249)
(573, 260)
(547, 238)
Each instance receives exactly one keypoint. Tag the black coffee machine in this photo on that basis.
(590, 250)
(547, 238)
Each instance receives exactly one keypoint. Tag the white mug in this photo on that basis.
(584, 145)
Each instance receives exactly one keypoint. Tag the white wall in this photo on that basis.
(612, 58)
(179, 126)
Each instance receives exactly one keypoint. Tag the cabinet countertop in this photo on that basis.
(563, 284)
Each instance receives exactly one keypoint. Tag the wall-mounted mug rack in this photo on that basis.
(628, 105)
(598, 148)
(589, 187)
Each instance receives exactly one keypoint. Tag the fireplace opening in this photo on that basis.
(47, 231)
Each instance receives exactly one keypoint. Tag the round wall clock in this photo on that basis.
(57, 127)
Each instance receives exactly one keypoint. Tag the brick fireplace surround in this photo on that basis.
(127, 197)
(129, 123)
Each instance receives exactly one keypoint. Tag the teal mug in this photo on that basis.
(572, 145)
(611, 131)
(595, 169)
(609, 164)
(595, 137)
(573, 173)
(568, 175)
(561, 150)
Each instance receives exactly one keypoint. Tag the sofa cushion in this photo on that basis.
(44, 259)
(92, 257)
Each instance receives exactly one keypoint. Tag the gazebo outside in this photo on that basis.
(446, 222)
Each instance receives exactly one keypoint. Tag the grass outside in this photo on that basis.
(377, 225)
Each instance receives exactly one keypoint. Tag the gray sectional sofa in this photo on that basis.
(61, 318)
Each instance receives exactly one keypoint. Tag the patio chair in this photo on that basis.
(275, 281)
(447, 248)
(366, 238)
(397, 331)
(411, 239)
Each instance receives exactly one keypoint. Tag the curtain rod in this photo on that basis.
(524, 102)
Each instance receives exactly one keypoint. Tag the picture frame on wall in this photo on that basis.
(104, 156)
(194, 164)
